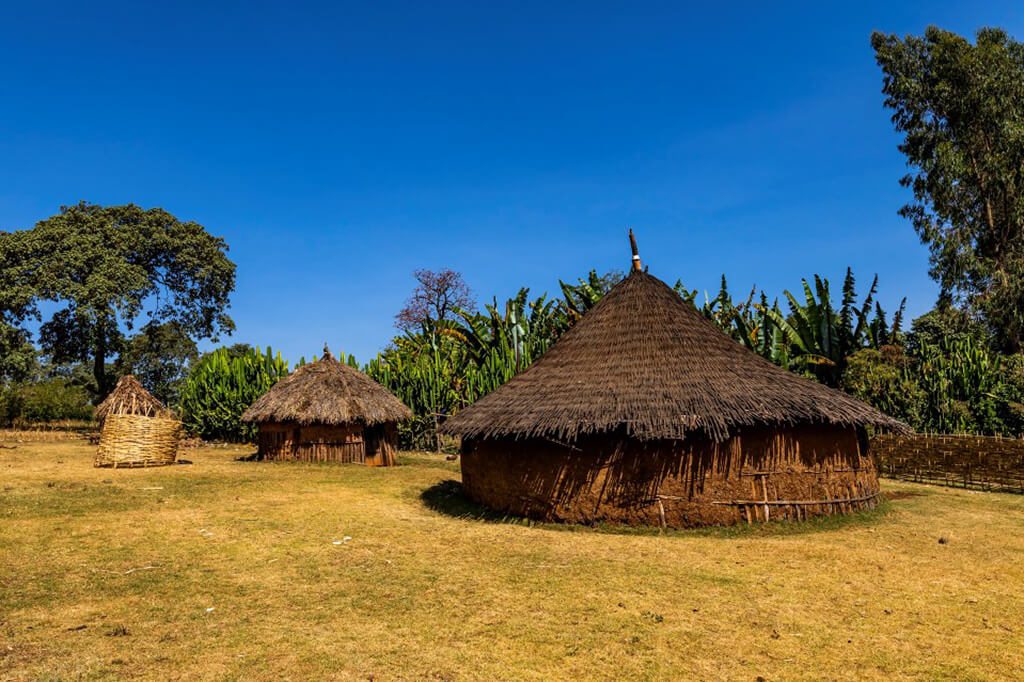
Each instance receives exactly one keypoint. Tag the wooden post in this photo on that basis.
(636, 254)
(764, 488)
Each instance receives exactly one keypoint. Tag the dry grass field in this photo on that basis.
(229, 569)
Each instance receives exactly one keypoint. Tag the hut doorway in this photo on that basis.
(381, 444)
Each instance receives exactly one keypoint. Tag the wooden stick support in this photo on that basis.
(831, 502)
(636, 254)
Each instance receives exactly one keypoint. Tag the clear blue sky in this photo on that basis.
(337, 147)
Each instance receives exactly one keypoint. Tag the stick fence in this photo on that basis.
(963, 461)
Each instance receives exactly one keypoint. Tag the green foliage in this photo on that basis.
(1009, 395)
(950, 384)
(159, 357)
(18, 358)
(578, 298)
(447, 365)
(946, 322)
(221, 386)
(426, 371)
(44, 401)
(961, 110)
(884, 378)
(959, 378)
(814, 338)
(104, 267)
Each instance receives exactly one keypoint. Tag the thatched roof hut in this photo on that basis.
(136, 429)
(644, 385)
(646, 362)
(328, 411)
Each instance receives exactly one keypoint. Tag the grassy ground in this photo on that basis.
(228, 569)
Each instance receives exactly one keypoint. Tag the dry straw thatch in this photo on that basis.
(646, 364)
(327, 392)
(129, 397)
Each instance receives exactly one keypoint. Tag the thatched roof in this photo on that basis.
(327, 392)
(129, 397)
(646, 363)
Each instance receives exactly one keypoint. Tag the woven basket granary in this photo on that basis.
(136, 431)
(133, 440)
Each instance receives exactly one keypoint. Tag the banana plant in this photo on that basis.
(581, 297)
(819, 339)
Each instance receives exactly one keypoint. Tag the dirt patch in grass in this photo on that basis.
(901, 494)
(235, 569)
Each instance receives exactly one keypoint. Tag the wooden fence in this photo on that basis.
(965, 461)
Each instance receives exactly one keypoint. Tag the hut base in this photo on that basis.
(760, 474)
(370, 445)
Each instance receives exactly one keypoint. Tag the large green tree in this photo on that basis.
(17, 356)
(106, 268)
(960, 107)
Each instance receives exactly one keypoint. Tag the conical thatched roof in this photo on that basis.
(129, 397)
(645, 362)
(327, 392)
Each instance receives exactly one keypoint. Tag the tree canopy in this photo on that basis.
(961, 110)
(104, 268)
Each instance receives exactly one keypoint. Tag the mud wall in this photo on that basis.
(372, 445)
(759, 473)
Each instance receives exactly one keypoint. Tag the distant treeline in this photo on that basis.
(943, 375)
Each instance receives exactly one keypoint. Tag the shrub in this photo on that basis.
(44, 401)
(884, 379)
(222, 385)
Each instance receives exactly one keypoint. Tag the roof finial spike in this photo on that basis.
(636, 254)
(327, 353)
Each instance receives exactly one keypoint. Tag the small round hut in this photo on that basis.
(328, 412)
(644, 412)
(136, 430)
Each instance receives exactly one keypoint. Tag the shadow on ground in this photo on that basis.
(449, 498)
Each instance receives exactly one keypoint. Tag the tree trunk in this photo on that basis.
(99, 362)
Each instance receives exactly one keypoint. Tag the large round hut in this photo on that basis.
(644, 412)
(327, 411)
(136, 430)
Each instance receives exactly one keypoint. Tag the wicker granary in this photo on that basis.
(645, 413)
(136, 430)
(328, 412)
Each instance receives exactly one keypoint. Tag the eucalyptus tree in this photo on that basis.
(960, 108)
